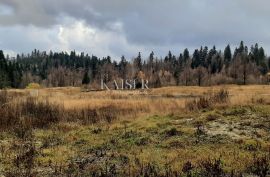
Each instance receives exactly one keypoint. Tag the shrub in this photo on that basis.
(211, 168)
(208, 102)
(187, 169)
(212, 117)
(33, 86)
(23, 131)
(200, 129)
(10, 117)
(31, 113)
(221, 97)
(260, 166)
(172, 132)
(40, 114)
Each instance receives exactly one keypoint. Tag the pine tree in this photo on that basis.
(263, 68)
(269, 63)
(241, 47)
(203, 56)
(86, 79)
(4, 77)
(138, 62)
(196, 59)
(261, 56)
(227, 54)
(151, 61)
(210, 55)
(123, 67)
(151, 58)
(186, 55)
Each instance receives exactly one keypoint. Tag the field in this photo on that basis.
(170, 131)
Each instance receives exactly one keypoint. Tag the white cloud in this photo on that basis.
(77, 34)
(71, 35)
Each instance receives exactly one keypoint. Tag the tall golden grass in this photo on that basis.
(130, 104)
(22, 110)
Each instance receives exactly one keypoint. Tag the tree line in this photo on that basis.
(203, 67)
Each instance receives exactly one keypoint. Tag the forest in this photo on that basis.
(204, 67)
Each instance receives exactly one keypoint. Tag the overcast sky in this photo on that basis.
(125, 27)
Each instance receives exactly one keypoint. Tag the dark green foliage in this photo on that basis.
(10, 72)
(227, 54)
(263, 68)
(186, 55)
(64, 69)
(196, 60)
(123, 67)
(86, 79)
(257, 54)
(138, 62)
(4, 80)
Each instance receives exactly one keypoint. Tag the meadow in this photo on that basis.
(169, 131)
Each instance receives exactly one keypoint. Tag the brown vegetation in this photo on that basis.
(174, 131)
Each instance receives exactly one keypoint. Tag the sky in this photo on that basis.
(126, 27)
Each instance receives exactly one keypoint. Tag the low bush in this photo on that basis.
(172, 132)
(41, 114)
(31, 113)
(260, 166)
(211, 168)
(208, 102)
(33, 86)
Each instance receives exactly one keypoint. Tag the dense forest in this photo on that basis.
(203, 67)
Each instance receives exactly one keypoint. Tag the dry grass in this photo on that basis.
(139, 133)
(71, 104)
(157, 101)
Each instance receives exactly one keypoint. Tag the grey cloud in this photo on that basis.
(155, 23)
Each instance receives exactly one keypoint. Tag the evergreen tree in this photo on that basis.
(2, 56)
(241, 47)
(257, 55)
(181, 60)
(186, 55)
(151, 58)
(269, 63)
(227, 54)
(151, 61)
(123, 67)
(86, 79)
(261, 56)
(210, 55)
(53, 68)
(204, 56)
(263, 68)
(170, 56)
(138, 62)
(196, 61)
(4, 77)
(216, 63)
